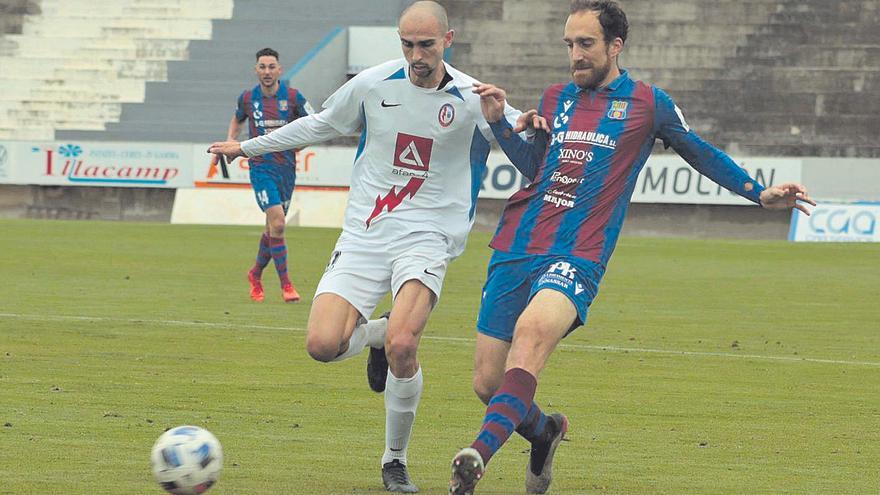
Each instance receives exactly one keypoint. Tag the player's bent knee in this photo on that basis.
(277, 230)
(321, 349)
(484, 389)
(401, 348)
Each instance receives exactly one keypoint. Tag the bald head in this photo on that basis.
(424, 36)
(425, 12)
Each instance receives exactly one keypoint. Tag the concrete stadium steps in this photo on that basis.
(12, 14)
(797, 74)
(827, 12)
(805, 142)
(638, 11)
(47, 49)
(819, 35)
(78, 27)
(198, 99)
(97, 9)
(468, 9)
(169, 130)
(75, 64)
(864, 56)
(95, 71)
(42, 111)
(121, 91)
(683, 35)
(9, 130)
(805, 105)
(192, 112)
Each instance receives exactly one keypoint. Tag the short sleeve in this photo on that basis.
(240, 113)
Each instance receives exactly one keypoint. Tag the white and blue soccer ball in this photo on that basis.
(187, 460)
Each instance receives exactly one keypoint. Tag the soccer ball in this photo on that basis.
(187, 460)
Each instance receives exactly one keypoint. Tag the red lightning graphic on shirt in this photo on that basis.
(394, 198)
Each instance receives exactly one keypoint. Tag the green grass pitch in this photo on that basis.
(707, 367)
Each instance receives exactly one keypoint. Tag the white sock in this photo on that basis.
(371, 333)
(401, 401)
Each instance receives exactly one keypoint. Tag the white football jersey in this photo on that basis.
(421, 157)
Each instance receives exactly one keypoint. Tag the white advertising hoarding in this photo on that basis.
(664, 179)
(237, 206)
(6, 161)
(322, 166)
(161, 165)
(836, 222)
(669, 179)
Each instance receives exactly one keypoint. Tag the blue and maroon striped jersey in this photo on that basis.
(584, 172)
(267, 113)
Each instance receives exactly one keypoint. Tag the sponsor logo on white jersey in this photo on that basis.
(446, 115)
(413, 152)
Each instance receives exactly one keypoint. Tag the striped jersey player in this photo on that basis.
(268, 106)
(556, 236)
(268, 112)
(583, 173)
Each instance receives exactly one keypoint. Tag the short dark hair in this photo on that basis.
(611, 16)
(267, 52)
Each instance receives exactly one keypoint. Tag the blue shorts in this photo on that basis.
(513, 280)
(273, 184)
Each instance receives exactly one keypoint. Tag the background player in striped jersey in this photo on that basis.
(417, 172)
(556, 236)
(269, 106)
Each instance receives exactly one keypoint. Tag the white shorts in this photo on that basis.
(364, 275)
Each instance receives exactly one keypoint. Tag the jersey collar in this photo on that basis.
(610, 87)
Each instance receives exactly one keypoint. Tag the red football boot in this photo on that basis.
(257, 293)
(289, 293)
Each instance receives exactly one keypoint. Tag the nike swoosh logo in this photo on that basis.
(389, 105)
(431, 274)
(395, 450)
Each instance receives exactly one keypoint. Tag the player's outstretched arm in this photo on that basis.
(786, 196)
(298, 134)
(229, 149)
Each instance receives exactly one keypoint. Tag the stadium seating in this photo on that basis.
(196, 100)
(73, 65)
(12, 14)
(757, 77)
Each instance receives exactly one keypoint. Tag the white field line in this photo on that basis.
(563, 345)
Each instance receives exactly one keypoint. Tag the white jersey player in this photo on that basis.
(419, 165)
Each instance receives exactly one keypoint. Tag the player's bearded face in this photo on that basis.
(423, 39)
(590, 74)
(590, 56)
(424, 55)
